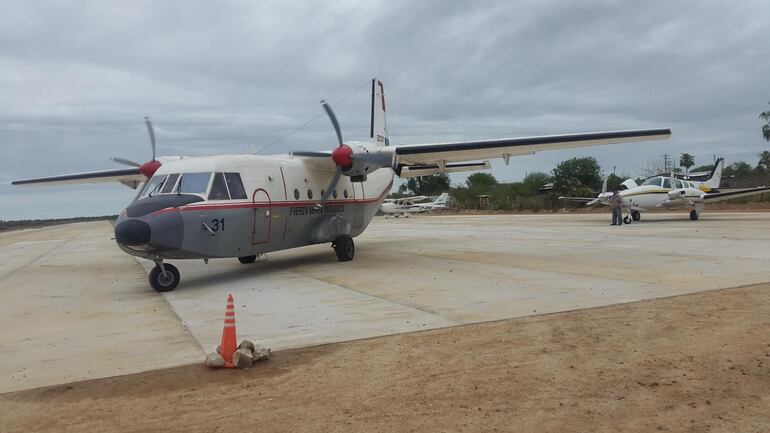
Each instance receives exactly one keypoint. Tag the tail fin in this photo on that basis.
(442, 199)
(715, 177)
(379, 127)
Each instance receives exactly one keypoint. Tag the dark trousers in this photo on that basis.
(617, 216)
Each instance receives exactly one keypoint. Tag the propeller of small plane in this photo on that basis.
(604, 189)
(150, 167)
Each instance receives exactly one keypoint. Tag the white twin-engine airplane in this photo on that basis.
(246, 205)
(671, 192)
(405, 206)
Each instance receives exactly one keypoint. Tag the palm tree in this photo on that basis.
(766, 127)
(686, 160)
(764, 159)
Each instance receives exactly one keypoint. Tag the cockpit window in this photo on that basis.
(235, 186)
(154, 185)
(654, 181)
(193, 183)
(170, 184)
(218, 188)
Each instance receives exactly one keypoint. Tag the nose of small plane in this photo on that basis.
(132, 232)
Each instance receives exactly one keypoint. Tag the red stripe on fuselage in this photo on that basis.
(250, 205)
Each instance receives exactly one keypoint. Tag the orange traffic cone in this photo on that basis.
(228, 346)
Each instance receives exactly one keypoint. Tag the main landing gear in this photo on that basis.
(633, 215)
(694, 215)
(247, 259)
(344, 248)
(164, 277)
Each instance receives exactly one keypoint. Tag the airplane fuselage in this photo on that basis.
(276, 208)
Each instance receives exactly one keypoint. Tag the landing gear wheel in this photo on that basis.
(245, 260)
(164, 282)
(344, 248)
(627, 219)
(635, 215)
(693, 215)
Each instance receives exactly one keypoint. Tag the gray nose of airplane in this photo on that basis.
(132, 232)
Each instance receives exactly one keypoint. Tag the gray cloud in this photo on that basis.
(76, 79)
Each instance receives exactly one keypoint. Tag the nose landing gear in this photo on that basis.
(694, 215)
(164, 277)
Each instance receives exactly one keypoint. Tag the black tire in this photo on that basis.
(627, 219)
(245, 260)
(635, 215)
(693, 215)
(344, 248)
(164, 283)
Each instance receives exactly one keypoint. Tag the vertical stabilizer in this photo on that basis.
(442, 199)
(716, 174)
(379, 127)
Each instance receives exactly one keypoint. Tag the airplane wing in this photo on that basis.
(714, 197)
(578, 199)
(130, 177)
(443, 153)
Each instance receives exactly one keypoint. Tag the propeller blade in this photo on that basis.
(151, 131)
(592, 202)
(331, 188)
(604, 185)
(333, 118)
(312, 154)
(125, 162)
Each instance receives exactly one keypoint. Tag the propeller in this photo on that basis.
(604, 185)
(597, 199)
(341, 155)
(148, 168)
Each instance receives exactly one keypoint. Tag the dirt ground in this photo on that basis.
(691, 363)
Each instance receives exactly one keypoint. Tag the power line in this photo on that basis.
(299, 128)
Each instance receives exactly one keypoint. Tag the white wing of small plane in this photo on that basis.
(444, 153)
(714, 197)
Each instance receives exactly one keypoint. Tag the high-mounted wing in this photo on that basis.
(714, 197)
(443, 153)
(130, 177)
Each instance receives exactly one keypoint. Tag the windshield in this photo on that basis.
(193, 183)
(654, 181)
(154, 185)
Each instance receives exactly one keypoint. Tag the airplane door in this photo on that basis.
(262, 217)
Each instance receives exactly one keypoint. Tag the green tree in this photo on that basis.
(532, 182)
(577, 176)
(426, 185)
(740, 169)
(614, 182)
(765, 115)
(686, 160)
(481, 182)
(764, 159)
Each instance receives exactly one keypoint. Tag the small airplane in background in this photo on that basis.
(409, 205)
(671, 192)
(247, 205)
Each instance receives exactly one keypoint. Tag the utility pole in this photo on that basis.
(666, 163)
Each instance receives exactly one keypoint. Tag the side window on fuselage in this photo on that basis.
(666, 183)
(218, 188)
(235, 185)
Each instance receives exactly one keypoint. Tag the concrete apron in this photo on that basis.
(432, 271)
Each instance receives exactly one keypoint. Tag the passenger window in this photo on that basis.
(666, 183)
(679, 184)
(345, 193)
(310, 194)
(218, 188)
(168, 187)
(235, 185)
(154, 185)
(194, 183)
(334, 193)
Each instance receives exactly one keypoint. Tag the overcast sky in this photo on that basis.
(77, 78)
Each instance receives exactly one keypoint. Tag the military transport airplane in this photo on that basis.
(246, 205)
(407, 205)
(671, 192)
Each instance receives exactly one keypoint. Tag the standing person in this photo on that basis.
(616, 203)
